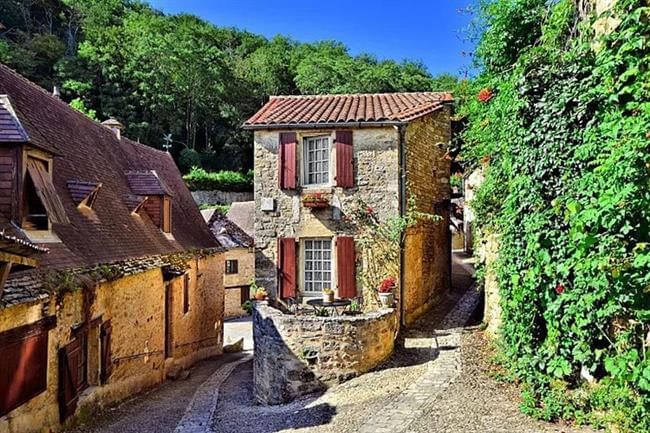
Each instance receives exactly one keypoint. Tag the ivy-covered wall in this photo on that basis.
(559, 119)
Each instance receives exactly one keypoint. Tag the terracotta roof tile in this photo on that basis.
(359, 108)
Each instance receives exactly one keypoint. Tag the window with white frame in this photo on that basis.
(317, 264)
(316, 156)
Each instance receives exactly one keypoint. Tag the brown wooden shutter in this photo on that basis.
(105, 341)
(345, 267)
(287, 161)
(287, 267)
(46, 192)
(69, 360)
(344, 158)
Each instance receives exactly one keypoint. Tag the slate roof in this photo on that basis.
(85, 150)
(242, 213)
(282, 111)
(146, 182)
(10, 128)
(80, 190)
(226, 232)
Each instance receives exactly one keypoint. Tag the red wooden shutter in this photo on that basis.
(69, 360)
(287, 161)
(345, 266)
(344, 167)
(287, 267)
(105, 340)
(23, 365)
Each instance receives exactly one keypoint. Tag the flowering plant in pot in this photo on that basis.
(328, 295)
(260, 294)
(386, 292)
(316, 200)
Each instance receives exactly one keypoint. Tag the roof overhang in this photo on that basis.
(324, 125)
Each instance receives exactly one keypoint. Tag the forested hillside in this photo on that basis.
(161, 74)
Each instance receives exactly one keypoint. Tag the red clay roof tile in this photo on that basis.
(336, 109)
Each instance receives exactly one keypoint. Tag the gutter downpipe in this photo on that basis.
(402, 212)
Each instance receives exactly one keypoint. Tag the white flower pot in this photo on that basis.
(387, 299)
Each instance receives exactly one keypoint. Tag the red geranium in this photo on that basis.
(559, 289)
(369, 210)
(387, 285)
(485, 95)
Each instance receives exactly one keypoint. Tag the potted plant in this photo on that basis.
(316, 200)
(328, 295)
(260, 294)
(386, 292)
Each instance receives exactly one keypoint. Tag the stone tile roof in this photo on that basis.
(341, 109)
(86, 150)
(23, 287)
(226, 232)
(242, 213)
(10, 128)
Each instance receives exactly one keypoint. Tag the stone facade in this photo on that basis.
(376, 183)
(297, 355)
(135, 305)
(234, 284)
(427, 246)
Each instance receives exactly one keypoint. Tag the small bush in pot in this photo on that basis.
(328, 295)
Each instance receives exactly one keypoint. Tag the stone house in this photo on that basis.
(239, 269)
(381, 149)
(110, 277)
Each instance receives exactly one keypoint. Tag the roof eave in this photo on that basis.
(323, 125)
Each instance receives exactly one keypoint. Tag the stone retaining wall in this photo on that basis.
(297, 355)
(220, 197)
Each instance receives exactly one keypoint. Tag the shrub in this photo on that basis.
(189, 159)
(200, 180)
(563, 144)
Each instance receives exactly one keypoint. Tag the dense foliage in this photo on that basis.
(200, 180)
(160, 74)
(558, 120)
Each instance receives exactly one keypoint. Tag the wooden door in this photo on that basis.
(69, 362)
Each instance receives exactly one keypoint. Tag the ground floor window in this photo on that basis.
(317, 264)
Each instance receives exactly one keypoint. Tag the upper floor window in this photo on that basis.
(41, 204)
(232, 266)
(316, 156)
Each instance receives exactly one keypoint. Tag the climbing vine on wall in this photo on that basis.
(559, 120)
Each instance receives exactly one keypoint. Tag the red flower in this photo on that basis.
(485, 95)
(369, 210)
(559, 289)
(485, 159)
(387, 285)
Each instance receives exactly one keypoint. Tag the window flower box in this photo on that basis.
(316, 200)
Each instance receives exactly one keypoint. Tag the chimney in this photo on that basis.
(115, 126)
(56, 92)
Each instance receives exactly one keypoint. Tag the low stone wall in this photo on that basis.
(297, 355)
(220, 197)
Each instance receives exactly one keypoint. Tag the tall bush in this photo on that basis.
(563, 133)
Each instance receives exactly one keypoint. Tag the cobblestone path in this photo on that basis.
(445, 366)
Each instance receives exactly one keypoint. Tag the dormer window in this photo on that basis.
(84, 193)
(158, 205)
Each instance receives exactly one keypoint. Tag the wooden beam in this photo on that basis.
(5, 268)
(17, 259)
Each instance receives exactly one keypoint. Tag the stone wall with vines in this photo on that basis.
(559, 118)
